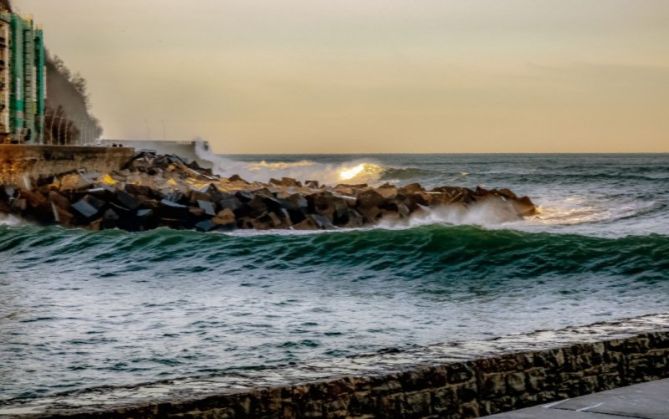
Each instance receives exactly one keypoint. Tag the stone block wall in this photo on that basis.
(457, 390)
(20, 163)
(485, 383)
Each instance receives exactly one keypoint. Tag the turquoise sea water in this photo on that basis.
(81, 309)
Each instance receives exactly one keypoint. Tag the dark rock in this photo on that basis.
(215, 194)
(59, 200)
(369, 198)
(172, 204)
(19, 204)
(208, 207)
(370, 215)
(127, 200)
(321, 222)
(140, 190)
(84, 208)
(196, 212)
(35, 199)
(95, 201)
(61, 215)
(412, 188)
(232, 203)
(195, 196)
(244, 196)
(236, 178)
(144, 213)
(206, 225)
(173, 210)
(110, 215)
(286, 182)
(110, 219)
(294, 202)
(306, 224)
(524, 206)
(10, 191)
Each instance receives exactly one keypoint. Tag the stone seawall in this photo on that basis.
(21, 163)
(455, 380)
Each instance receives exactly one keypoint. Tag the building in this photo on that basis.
(22, 80)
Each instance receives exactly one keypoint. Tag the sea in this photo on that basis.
(82, 309)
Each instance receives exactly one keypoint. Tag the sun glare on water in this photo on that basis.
(363, 172)
(348, 174)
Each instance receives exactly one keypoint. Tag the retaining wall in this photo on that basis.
(455, 380)
(21, 163)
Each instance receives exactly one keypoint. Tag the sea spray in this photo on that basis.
(355, 171)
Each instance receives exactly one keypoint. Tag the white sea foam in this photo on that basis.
(10, 220)
(356, 171)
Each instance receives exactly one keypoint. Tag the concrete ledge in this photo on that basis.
(454, 380)
(21, 163)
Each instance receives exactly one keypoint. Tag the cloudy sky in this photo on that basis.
(350, 76)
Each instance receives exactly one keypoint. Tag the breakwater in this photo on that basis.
(151, 191)
(21, 165)
(457, 380)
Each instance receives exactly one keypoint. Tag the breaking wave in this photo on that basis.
(451, 251)
(356, 171)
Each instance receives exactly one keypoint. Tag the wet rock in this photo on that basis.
(525, 206)
(35, 199)
(207, 206)
(306, 224)
(61, 215)
(371, 215)
(286, 182)
(19, 204)
(369, 198)
(84, 208)
(196, 212)
(59, 199)
(236, 178)
(411, 188)
(110, 218)
(144, 214)
(206, 225)
(321, 222)
(387, 191)
(155, 190)
(173, 210)
(136, 190)
(225, 217)
(10, 191)
(232, 203)
(244, 196)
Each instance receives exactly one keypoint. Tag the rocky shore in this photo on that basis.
(153, 191)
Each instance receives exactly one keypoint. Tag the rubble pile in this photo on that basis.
(165, 191)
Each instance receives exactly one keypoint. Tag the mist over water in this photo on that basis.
(80, 309)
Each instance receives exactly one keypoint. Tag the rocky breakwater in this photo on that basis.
(163, 190)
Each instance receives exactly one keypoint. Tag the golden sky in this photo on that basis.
(351, 76)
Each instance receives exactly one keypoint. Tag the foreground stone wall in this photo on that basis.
(455, 380)
(19, 163)
(458, 390)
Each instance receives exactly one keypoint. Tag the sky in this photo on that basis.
(372, 76)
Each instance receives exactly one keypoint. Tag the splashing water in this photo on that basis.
(303, 170)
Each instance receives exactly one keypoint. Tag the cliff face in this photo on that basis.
(68, 119)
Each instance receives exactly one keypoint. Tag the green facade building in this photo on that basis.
(22, 80)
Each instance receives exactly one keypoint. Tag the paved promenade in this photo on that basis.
(640, 401)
